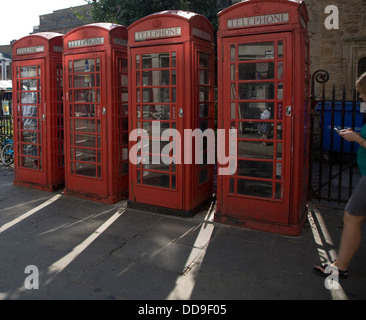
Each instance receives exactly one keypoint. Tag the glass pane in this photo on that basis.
(30, 163)
(232, 52)
(156, 112)
(86, 155)
(256, 71)
(85, 140)
(280, 91)
(232, 72)
(28, 72)
(84, 95)
(84, 65)
(30, 150)
(155, 60)
(280, 49)
(84, 110)
(203, 110)
(256, 51)
(29, 97)
(280, 70)
(30, 137)
(204, 77)
(174, 60)
(156, 78)
(255, 188)
(256, 110)
(159, 167)
(84, 81)
(28, 85)
(204, 94)
(254, 149)
(29, 111)
(156, 179)
(84, 125)
(204, 60)
(257, 169)
(279, 151)
(256, 91)
(86, 169)
(156, 95)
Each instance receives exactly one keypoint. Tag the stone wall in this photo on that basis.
(338, 50)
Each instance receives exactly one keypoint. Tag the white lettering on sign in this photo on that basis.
(201, 34)
(258, 20)
(29, 50)
(57, 48)
(158, 33)
(120, 42)
(85, 42)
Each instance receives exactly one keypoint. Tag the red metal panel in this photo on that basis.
(182, 37)
(95, 68)
(261, 54)
(38, 111)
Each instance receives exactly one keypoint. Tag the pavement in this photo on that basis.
(57, 247)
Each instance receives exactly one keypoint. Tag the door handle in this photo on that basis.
(180, 112)
(288, 111)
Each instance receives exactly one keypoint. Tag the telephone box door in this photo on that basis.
(85, 116)
(30, 121)
(257, 98)
(156, 86)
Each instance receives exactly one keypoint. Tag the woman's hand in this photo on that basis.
(350, 135)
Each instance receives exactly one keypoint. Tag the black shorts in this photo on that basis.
(356, 205)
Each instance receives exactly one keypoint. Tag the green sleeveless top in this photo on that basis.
(361, 154)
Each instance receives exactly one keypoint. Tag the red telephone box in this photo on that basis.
(171, 88)
(263, 87)
(38, 111)
(96, 112)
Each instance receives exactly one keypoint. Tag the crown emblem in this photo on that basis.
(157, 23)
(256, 8)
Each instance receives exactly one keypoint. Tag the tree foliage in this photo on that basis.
(125, 12)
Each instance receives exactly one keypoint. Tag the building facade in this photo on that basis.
(337, 32)
(64, 20)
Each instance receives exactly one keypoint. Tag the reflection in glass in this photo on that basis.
(28, 85)
(156, 78)
(204, 77)
(280, 91)
(280, 49)
(252, 149)
(253, 110)
(84, 65)
(204, 93)
(256, 71)
(255, 188)
(203, 110)
(156, 95)
(280, 70)
(256, 51)
(256, 91)
(203, 60)
(156, 112)
(155, 60)
(28, 72)
(86, 169)
(156, 179)
(84, 80)
(86, 95)
(232, 52)
(257, 169)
